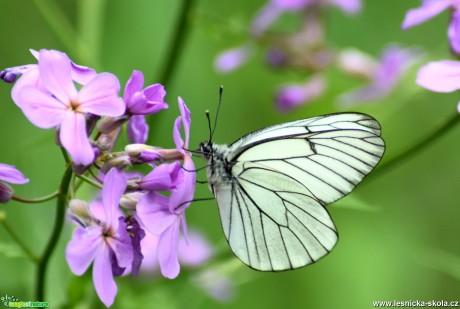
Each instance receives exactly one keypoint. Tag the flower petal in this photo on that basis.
(100, 96)
(155, 93)
(103, 278)
(149, 246)
(163, 178)
(167, 251)
(9, 173)
(177, 136)
(181, 198)
(122, 246)
(153, 212)
(440, 76)
(454, 31)
(112, 190)
(40, 108)
(138, 129)
(186, 120)
(134, 84)
(82, 248)
(428, 10)
(74, 138)
(138, 235)
(29, 78)
(55, 73)
(82, 74)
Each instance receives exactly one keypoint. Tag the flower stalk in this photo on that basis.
(57, 229)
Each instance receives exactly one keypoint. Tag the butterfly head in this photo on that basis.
(205, 149)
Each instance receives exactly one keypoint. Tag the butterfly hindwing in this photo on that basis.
(271, 221)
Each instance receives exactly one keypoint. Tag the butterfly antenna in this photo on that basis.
(221, 90)
(209, 124)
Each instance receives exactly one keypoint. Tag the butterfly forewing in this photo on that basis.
(329, 163)
(356, 121)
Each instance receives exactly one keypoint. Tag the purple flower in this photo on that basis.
(431, 8)
(106, 243)
(394, 62)
(232, 59)
(292, 96)
(165, 216)
(57, 103)
(9, 174)
(440, 76)
(139, 102)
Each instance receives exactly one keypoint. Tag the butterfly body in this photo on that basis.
(272, 186)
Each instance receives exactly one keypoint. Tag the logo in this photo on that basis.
(12, 302)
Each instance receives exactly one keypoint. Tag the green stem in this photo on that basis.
(87, 180)
(36, 200)
(19, 241)
(416, 148)
(176, 47)
(57, 229)
(174, 51)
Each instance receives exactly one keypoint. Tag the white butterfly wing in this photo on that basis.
(351, 121)
(329, 163)
(270, 220)
(273, 212)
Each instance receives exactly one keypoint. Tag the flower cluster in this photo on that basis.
(308, 51)
(135, 215)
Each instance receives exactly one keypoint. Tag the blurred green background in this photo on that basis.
(398, 231)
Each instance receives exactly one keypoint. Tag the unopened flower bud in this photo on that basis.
(9, 75)
(141, 153)
(109, 124)
(119, 162)
(106, 142)
(79, 210)
(2, 215)
(6, 192)
(129, 200)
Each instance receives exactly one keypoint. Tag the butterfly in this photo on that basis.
(272, 185)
